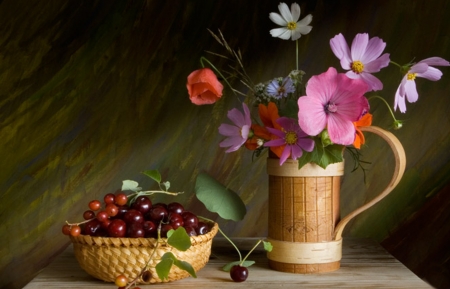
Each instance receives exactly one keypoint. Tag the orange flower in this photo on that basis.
(268, 115)
(366, 120)
(204, 87)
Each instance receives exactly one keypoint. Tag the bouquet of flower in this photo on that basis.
(316, 120)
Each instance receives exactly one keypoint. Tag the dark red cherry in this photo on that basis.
(190, 231)
(150, 229)
(117, 228)
(175, 207)
(133, 216)
(143, 204)
(164, 229)
(91, 227)
(202, 228)
(157, 214)
(238, 273)
(190, 219)
(135, 230)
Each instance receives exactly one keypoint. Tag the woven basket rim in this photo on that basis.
(120, 242)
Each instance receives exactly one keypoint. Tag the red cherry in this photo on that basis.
(238, 273)
(95, 205)
(175, 208)
(143, 204)
(121, 199)
(111, 209)
(117, 228)
(102, 216)
(109, 198)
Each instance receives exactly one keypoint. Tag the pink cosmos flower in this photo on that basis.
(294, 140)
(363, 59)
(236, 134)
(407, 88)
(334, 102)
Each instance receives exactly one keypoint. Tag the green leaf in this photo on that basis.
(332, 154)
(322, 155)
(154, 174)
(163, 267)
(179, 239)
(267, 246)
(169, 259)
(246, 263)
(186, 267)
(166, 185)
(218, 199)
(130, 186)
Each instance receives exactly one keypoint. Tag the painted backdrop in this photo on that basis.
(93, 93)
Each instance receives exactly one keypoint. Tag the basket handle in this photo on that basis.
(400, 164)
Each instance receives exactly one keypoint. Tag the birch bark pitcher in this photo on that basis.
(305, 227)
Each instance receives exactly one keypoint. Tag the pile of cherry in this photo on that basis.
(140, 219)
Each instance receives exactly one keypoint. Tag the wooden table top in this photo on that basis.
(365, 264)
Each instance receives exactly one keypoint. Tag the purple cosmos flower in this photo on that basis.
(407, 88)
(333, 101)
(236, 134)
(363, 59)
(278, 91)
(292, 137)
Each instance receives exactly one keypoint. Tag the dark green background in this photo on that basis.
(93, 92)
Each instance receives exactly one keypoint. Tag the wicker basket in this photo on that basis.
(106, 258)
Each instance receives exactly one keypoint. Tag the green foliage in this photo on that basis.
(129, 185)
(153, 174)
(228, 266)
(219, 199)
(322, 155)
(267, 246)
(156, 176)
(179, 239)
(169, 259)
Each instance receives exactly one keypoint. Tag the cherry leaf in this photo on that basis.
(246, 263)
(219, 199)
(130, 186)
(153, 174)
(179, 239)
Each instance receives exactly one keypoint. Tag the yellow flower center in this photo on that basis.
(291, 25)
(357, 66)
(411, 76)
(290, 138)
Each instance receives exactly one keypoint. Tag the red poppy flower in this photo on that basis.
(204, 87)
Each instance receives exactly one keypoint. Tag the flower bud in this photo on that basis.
(325, 137)
(398, 124)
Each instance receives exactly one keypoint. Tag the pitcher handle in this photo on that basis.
(400, 164)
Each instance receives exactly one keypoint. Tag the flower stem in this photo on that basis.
(296, 53)
(218, 71)
(396, 64)
(397, 123)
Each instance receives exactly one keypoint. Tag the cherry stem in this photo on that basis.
(226, 237)
(248, 254)
(133, 282)
(77, 224)
(148, 193)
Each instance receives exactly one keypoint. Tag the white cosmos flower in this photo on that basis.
(292, 28)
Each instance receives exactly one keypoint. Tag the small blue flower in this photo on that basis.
(278, 91)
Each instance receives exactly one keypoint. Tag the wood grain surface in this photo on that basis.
(365, 264)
